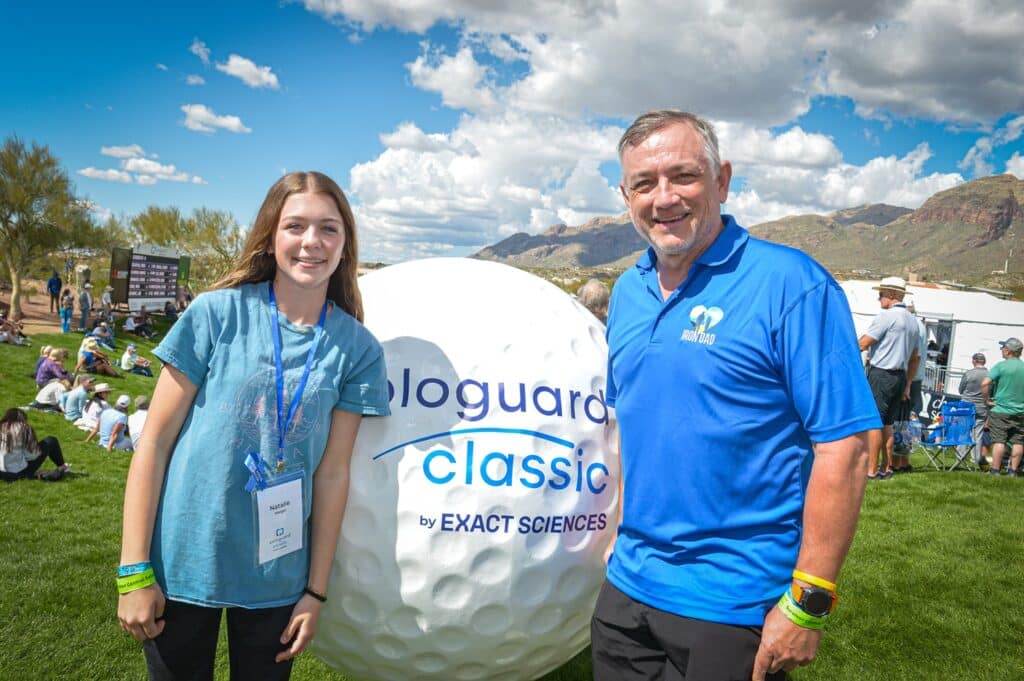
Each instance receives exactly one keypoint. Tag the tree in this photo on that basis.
(212, 239)
(39, 212)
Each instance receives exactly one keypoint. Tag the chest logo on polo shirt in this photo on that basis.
(703, 319)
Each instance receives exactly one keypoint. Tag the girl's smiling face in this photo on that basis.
(308, 241)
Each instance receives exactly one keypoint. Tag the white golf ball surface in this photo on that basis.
(479, 511)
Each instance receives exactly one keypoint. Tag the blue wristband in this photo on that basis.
(133, 569)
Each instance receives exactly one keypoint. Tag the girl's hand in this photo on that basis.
(141, 612)
(301, 627)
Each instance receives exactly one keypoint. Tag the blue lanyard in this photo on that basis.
(283, 422)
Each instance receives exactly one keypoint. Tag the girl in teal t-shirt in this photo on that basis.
(235, 495)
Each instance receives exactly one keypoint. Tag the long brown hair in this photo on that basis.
(256, 264)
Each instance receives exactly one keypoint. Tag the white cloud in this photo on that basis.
(458, 79)
(759, 63)
(491, 176)
(249, 73)
(151, 171)
(192, 79)
(978, 157)
(1015, 165)
(538, 80)
(497, 17)
(409, 136)
(201, 118)
(130, 151)
(99, 212)
(200, 49)
(109, 174)
(162, 67)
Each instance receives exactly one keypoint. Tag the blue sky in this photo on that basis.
(452, 125)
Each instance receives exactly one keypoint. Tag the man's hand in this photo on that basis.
(784, 646)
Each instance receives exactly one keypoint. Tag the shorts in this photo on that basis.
(1006, 428)
(887, 388)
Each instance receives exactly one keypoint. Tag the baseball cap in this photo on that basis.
(87, 285)
(1012, 344)
(978, 357)
(130, 346)
(124, 401)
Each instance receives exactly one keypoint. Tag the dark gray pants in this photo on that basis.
(631, 641)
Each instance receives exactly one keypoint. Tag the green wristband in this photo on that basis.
(136, 581)
(796, 614)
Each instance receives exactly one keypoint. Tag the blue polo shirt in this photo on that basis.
(720, 392)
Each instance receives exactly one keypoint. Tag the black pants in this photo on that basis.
(50, 448)
(187, 648)
(632, 641)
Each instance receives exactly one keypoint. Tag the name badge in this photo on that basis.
(279, 512)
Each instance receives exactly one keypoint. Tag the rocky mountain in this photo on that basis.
(965, 232)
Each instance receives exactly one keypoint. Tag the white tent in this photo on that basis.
(968, 321)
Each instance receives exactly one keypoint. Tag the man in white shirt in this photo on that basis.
(138, 419)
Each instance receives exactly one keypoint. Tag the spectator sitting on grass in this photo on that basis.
(104, 336)
(169, 311)
(112, 427)
(52, 367)
(21, 455)
(130, 361)
(137, 420)
(91, 359)
(43, 353)
(94, 406)
(131, 325)
(49, 396)
(13, 332)
(74, 400)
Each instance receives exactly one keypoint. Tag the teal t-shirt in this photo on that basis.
(1009, 379)
(205, 547)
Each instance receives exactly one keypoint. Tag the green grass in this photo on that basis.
(931, 589)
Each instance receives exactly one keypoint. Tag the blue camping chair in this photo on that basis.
(940, 442)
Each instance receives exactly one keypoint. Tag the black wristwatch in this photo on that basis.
(814, 600)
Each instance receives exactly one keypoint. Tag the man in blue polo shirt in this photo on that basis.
(743, 412)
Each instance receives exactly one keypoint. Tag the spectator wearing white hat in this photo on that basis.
(112, 427)
(94, 407)
(892, 340)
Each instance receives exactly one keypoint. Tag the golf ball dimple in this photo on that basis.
(479, 511)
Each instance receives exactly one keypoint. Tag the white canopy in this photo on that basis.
(980, 320)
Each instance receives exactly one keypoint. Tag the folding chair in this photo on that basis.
(953, 430)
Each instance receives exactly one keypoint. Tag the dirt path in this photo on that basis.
(36, 309)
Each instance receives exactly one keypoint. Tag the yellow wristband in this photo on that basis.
(816, 581)
(136, 581)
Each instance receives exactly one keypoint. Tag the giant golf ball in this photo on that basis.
(479, 511)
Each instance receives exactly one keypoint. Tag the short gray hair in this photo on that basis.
(653, 121)
(594, 296)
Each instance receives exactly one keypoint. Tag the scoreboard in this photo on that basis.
(145, 275)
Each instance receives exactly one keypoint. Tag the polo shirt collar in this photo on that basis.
(729, 241)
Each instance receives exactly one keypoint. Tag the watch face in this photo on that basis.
(816, 602)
